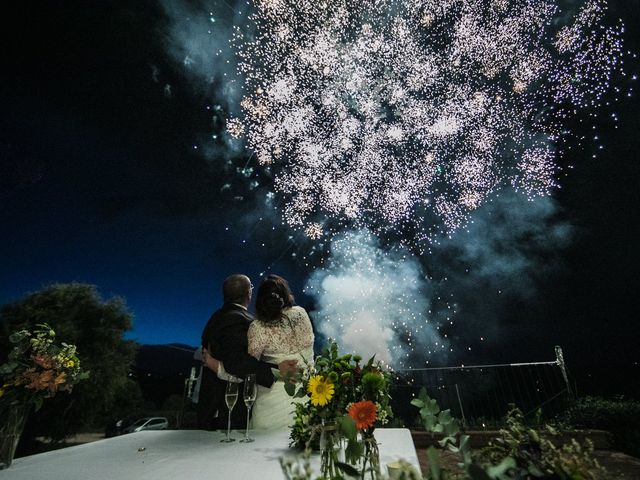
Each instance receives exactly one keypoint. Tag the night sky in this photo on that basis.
(103, 180)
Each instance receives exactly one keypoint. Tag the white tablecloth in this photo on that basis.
(184, 455)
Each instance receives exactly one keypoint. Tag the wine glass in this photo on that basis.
(230, 397)
(250, 392)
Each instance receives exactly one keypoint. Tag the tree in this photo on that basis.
(79, 316)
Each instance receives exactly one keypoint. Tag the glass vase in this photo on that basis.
(329, 446)
(12, 420)
(371, 456)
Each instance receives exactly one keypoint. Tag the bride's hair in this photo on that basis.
(274, 295)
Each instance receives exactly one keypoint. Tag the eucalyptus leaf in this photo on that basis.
(445, 440)
(429, 423)
(445, 416)
(451, 429)
(464, 443)
(434, 463)
(501, 469)
(423, 395)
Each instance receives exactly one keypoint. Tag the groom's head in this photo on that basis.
(237, 289)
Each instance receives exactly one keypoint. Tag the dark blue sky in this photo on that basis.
(100, 183)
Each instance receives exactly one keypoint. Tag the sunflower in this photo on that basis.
(321, 390)
(363, 413)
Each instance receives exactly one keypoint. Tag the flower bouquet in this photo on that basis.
(36, 368)
(347, 400)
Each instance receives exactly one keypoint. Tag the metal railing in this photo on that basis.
(480, 395)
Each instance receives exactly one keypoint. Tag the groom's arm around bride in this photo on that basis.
(225, 338)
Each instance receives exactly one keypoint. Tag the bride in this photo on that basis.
(281, 331)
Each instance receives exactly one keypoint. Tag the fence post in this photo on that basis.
(464, 420)
(561, 364)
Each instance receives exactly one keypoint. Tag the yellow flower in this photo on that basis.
(321, 390)
(69, 364)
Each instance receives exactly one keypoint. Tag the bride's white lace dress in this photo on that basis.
(289, 339)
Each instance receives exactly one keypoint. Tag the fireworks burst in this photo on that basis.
(406, 115)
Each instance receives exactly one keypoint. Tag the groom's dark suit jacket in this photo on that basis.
(225, 336)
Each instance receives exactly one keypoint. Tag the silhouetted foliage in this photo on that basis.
(96, 326)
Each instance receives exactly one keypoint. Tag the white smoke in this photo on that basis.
(375, 301)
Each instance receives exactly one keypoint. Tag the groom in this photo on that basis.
(225, 338)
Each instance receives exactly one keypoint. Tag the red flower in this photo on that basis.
(363, 413)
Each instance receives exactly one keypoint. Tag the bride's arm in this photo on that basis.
(306, 328)
(255, 340)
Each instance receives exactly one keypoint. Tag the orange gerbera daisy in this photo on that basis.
(363, 413)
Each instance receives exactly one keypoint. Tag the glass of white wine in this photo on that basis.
(230, 397)
(250, 392)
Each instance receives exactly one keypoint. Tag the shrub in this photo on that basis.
(619, 416)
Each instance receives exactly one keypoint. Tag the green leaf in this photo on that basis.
(476, 472)
(434, 463)
(499, 470)
(7, 368)
(445, 416)
(535, 471)
(423, 395)
(425, 412)
(370, 362)
(445, 440)
(416, 402)
(451, 429)
(348, 469)
(348, 427)
(464, 443)
(290, 388)
(354, 451)
(429, 422)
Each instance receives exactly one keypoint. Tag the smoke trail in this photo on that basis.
(507, 243)
(388, 302)
(375, 300)
(196, 37)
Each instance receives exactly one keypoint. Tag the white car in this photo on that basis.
(148, 423)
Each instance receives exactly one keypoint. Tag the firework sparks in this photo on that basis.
(406, 115)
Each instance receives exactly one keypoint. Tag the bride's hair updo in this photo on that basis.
(274, 295)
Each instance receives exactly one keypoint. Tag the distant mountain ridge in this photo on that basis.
(165, 360)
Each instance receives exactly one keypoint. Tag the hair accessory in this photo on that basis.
(280, 299)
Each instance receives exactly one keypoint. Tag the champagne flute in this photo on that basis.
(230, 397)
(250, 392)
